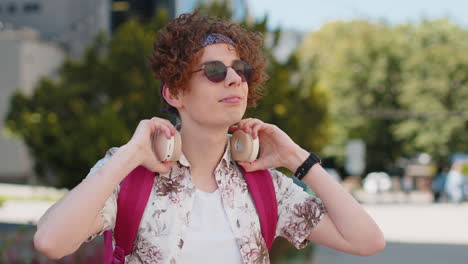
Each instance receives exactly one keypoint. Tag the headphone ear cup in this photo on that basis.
(243, 146)
(255, 150)
(167, 149)
(177, 147)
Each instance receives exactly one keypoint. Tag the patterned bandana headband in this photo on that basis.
(212, 38)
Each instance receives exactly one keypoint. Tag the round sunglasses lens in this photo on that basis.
(215, 71)
(244, 70)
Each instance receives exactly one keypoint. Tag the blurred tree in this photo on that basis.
(359, 63)
(400, 89)
(435, 89)
(96, 103)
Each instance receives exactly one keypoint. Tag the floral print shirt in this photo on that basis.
(163, 226)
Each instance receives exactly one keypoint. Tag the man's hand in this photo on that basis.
(277, 149)
(142, 143)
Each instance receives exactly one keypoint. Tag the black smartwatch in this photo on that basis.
(305, 167)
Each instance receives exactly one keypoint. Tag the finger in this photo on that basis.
(161, 126)
(163, 121)
(248, 123)
(170, 125)
(162, 167)
(247, 166)
(256, 128)
(168, 164)
(244, 122)
(253, 166)
(233, 128)
(240, 125)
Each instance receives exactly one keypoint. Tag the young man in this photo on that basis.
(200, 210)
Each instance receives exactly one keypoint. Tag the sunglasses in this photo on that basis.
(216, 71)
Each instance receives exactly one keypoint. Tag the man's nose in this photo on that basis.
(232, 78)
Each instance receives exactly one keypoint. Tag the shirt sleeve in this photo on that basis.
(109, 211)
(298, 211)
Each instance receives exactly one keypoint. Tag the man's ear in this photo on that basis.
(173, 100)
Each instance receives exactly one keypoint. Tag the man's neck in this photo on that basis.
(203, 147)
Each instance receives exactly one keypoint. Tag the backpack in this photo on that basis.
(134, 194)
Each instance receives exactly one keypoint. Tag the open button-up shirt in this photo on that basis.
(163, 226)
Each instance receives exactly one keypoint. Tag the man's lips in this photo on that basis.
(231, 100)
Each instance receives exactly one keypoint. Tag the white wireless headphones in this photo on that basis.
(243, 146)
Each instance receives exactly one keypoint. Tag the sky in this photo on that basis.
(310, 15)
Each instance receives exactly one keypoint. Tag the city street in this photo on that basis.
(417, 233)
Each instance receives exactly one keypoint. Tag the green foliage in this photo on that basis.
(298, 107)
(397, 88)
(216, 9)
(283, 252)
(97, 102)
(360, 64)
(435, 88)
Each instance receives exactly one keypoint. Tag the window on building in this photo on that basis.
(120, 6)
(11, 8)
(31, 7)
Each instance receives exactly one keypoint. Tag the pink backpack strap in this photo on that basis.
(261, 189)
(133, 197)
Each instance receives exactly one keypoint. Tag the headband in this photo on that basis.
(214, 38)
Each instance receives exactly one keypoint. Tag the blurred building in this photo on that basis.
(70, 23)
(35, 37)
(24, 59)
(74, 24)
(122, 10)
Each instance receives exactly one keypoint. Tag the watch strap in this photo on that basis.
(306, 165)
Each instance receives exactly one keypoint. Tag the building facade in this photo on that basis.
(24, 59)
(71, 24)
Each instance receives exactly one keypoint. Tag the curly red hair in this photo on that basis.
(177, 46)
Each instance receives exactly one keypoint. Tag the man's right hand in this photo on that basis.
(142, 142)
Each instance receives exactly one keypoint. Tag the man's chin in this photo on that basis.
(230, 118)
(236, 118)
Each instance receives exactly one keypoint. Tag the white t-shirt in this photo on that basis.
(209, 238)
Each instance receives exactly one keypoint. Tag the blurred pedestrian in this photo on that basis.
(454, 183)
(438, 184)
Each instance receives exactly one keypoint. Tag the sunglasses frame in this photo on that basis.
(246, 77)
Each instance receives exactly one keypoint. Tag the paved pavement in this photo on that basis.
(415, 233)
(398, 253)
(23, 212)
(26, 204)
(414, 197)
